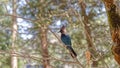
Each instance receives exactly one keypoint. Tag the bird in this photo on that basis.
(65, 38)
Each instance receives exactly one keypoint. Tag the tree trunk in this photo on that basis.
(14, 33)
(88, 33)
(114, 23)
(44, 47)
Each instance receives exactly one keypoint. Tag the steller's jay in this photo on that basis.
(67, 41)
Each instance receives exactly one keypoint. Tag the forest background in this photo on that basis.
(29, 34)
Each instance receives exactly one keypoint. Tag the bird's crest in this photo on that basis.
(62, 28)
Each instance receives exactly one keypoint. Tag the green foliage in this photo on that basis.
(36, 13)
(5, 61)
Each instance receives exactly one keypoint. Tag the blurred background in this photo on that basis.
(30, 38)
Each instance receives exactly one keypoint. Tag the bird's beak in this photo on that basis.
(59, 31)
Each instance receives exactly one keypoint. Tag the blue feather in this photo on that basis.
(66, 39)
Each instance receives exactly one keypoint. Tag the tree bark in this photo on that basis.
(86, 22)
(14, 33)
(44, 47)
(114, 23)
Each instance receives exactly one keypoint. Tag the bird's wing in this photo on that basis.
(66, 40)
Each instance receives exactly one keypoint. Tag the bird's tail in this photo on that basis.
(72, 52)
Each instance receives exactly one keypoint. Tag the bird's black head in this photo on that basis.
(62, 30)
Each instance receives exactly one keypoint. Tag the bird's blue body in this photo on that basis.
(66, 39)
